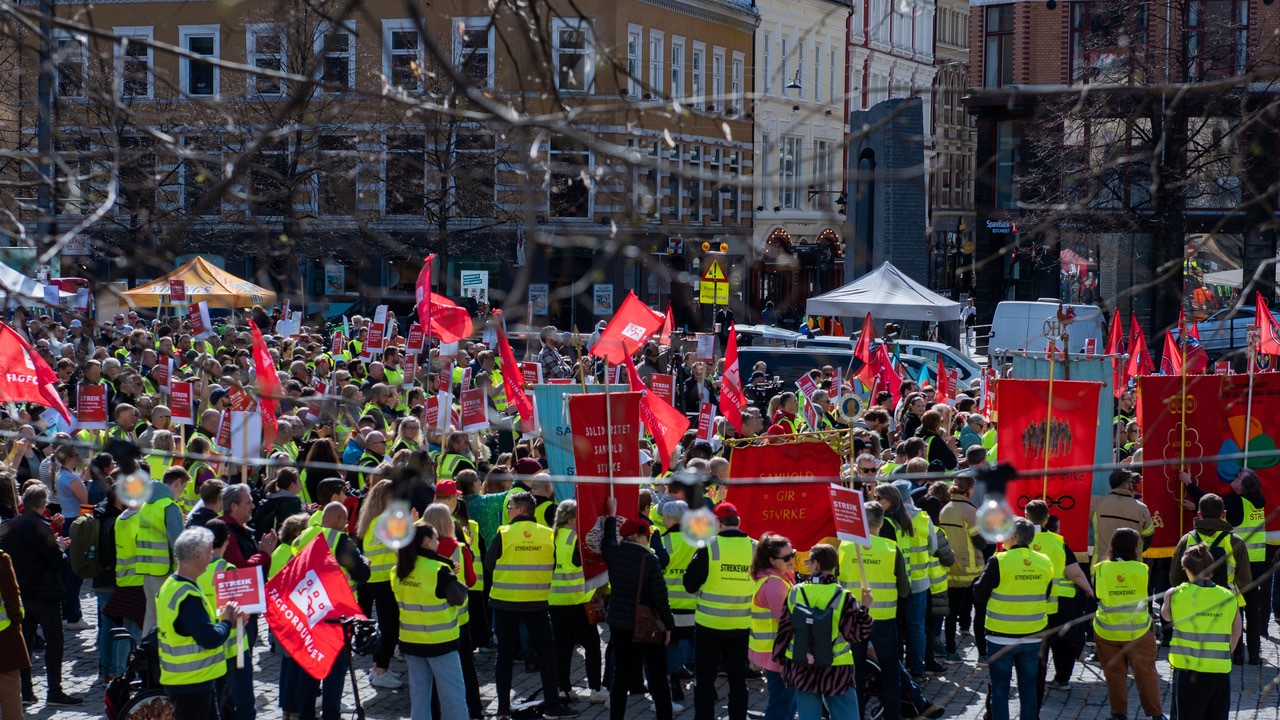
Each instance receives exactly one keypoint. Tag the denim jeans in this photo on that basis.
(782, 699)
(894, 682)
(913, 609)
(444, 673)
(843, 706)
(330, 691)
(239, 684)
(1025, 658)
(112, 656)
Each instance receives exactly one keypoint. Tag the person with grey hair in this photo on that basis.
(39, 564)
(1015, 588)
(192, 639)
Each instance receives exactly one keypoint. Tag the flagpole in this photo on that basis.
(1182, 411)
(608, 419)
(1048, 424)
(1248, 406)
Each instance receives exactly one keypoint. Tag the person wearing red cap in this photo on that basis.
(720, 575)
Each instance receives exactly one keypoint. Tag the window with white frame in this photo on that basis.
(675, 185)
(800, 67)
(677, 67)
(402, 57)
(831, 77)
(264, 48)
(695, 184)
(473, 51)
(698, 74)
(785, 63)
(656, 81)
(635, 67)
(569, 194)
(572, 47)
(270, 191)
(717, 78)
(714, 188)
(201, 171)
(736, 99)
(405, 175)
(199, 78)
(789, 165)
(70, 63)
(817, 72)
(135, 61)
(339, 62)
(766, 153)
(823, 177)
(767, 62)
(475, 173)
(336, 175)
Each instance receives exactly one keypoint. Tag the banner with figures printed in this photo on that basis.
(1050, 425)
(1212, 418)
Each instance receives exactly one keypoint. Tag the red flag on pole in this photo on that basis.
(1139, 359)
(942, 388)
(732, 399)
(437, 314)
(269, 388)
(422, 293)
(25, 376)
(1115, 339)
(302, 598)
(634, 323)
(862, 351)
(665, 423)
(886, 377)
(668, 326)
(1185, 354)
(1269, 330)
(512, 378)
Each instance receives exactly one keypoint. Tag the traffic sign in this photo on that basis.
(714, 273)
(714, 288)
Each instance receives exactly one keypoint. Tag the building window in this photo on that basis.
(823, 177)
(714, 188)
(201, 172)
(634, 62)
(265, 49)
(656, 81)
(402, 54)
(137, 177)
(817, 72)
(767, 63)
(789, 164)
(1217, 38)
(569, 195)
(199, 78)
(677, 68)
(698, 69)
(736, 98)
(735, 191)
(800, 67)
(675, 193)
(339, 68)
(695, 184)
(998, 60)
(405, 175)
(831, 76)
(135, 61)
(1105, 38)
(270, 193)
(70, 64)
(880, 20)
(575, 68)
(717, 78)
(337, 175)
(785, 63)
(764, 156)
(475, 169)
(473, 51)
(1006, 191)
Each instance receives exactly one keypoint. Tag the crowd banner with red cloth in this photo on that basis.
(309, 590)
(1210, 420)
(631, 326)
(512, 379)
(1115, 342)
(422, 293)
(589, 424)
(25, 376)
(862, 351)
(1049, 424)
(1184, 353)
(665, 423)
(798, 504)
(732, 399)
(269, 388)
(1269, 342)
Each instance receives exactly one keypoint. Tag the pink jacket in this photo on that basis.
(772, 595)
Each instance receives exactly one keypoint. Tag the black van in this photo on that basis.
(788, 364)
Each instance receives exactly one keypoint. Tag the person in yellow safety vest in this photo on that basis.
(1233, 572)
(332, 529)
(1015, 586)
(912, 530)
(429, 594)
(1122, 626)
(544, 511)
(568, 606)
(447, 494)
(884, 569)
(939, 604)
(720, 576)
(675, 546)
(408, 435)
(159, 526)
(454, 547)
(1243, 509)
(786, 418)
(959, 520)
(774, 572)
(833, 656)
(122, 429)
(376, 594)
(192, 637)
(1069, 580)
(1206, 631)
(455, 456)
(519, 564)
(375, 452)
(205, 581)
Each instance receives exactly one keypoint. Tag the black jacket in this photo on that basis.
(37, 559)
(689, 394)
(624, 562)
(106, 514)
(200, 516)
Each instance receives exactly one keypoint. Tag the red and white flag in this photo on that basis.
(1269, 330)
(631, 326)
(25, 376)
(665, 423)
(303, 601)
(269, 388)
(439, 315)
(668, 326)
(732, 398)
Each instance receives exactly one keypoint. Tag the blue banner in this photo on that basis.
(553, 419)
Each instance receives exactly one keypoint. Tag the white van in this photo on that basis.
(1025, 325)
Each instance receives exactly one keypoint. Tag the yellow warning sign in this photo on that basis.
(714, 273)
(713, 293)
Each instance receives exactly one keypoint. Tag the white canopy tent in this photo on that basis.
(887, 294)
(17, 289)
(1234, 278)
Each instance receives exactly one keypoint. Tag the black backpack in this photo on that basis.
(1219, 554)
(814, 627)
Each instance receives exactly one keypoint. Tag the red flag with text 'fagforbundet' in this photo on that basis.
(303, 600)
(25, 376)
(732, 399)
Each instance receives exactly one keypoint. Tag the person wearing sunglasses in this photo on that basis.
(773, 570)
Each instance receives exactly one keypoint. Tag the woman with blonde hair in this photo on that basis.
(453, 548)
(376, 594)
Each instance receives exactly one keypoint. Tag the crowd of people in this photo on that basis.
(495, 563)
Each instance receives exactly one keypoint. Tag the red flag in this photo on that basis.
(1114, 341)
(1184, 355)
(1139, 359)
(886, 377)
(668, 325)
(302, 598)
(269, 388)
(1269, 329)
(732, 399)
(422, 294)
(25, 376)
(862, 351)
(665, 423)
(942, 388)
(634, 323)
(512, 378)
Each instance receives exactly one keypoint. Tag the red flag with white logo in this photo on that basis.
(732, 399)
(631, 326)
(303, 601)
(25, 376)
(439, 315)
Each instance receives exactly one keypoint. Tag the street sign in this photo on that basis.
(714, 288)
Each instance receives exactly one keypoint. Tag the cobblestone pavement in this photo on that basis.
(961, 690)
